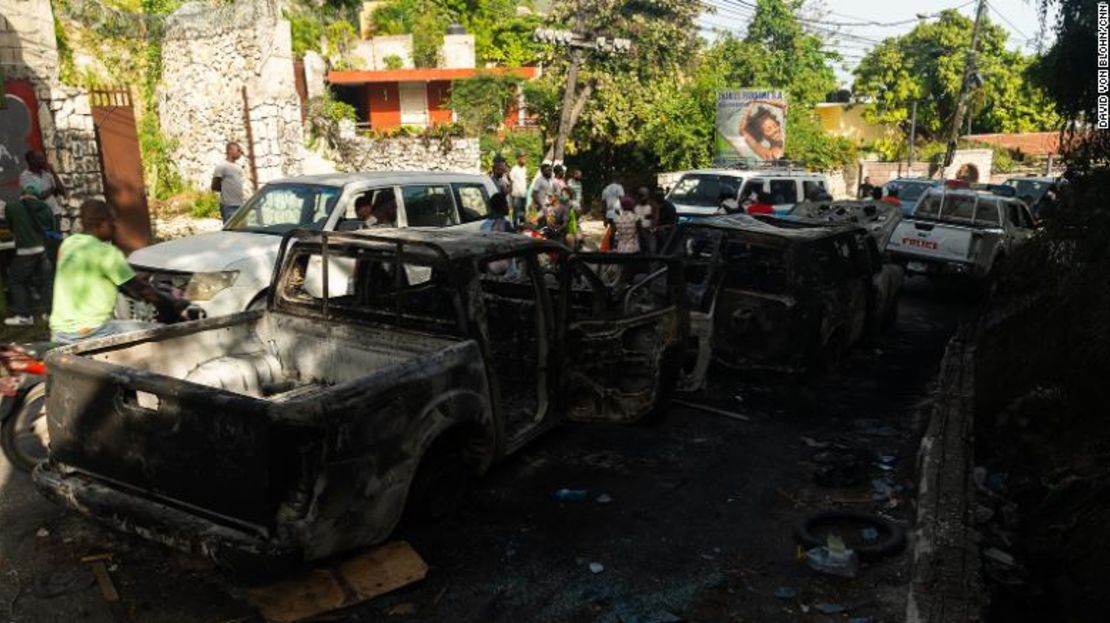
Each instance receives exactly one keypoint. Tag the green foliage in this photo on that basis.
(307, 30)
(427, 38)
(340, 37)
(323, 117)
(927, 65)
(481, 102)
(394, 62)
(529, 142)
(206, 205)
(67, 71)
(807, 142)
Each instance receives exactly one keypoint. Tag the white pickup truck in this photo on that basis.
(961, 231)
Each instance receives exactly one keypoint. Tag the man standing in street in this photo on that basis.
(611, 196)
(542, 189)
(500, 175)
(91, 273)
(43, 181)
(518, 177)
(574, 183)
(31, 221)
(865, 188)
(228, 181)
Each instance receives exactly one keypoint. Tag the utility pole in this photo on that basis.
(580, 45)
(913, 138)
(965, 86)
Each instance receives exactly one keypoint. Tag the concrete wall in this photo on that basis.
(409, 154)
(210, 54)
(373, 52)
(457, 52)
(28, 52)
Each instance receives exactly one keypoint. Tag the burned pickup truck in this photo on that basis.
(779, 294)
(386, 370)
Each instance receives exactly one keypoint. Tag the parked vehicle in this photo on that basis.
(23, 436)
(1034, 192)
(910, 190)
(781, 295)
(228, 271)
(388, 368)
(699, 193)
(966, 231)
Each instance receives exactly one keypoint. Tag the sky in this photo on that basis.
(1018, 17)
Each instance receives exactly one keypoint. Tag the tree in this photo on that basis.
(481, 102)
(927, 65)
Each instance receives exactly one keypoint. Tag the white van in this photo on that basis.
(229, 271)
(700, 193)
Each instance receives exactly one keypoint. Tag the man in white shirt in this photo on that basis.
(611, 197)
(518, 178)
(43, 180)
(228, 181)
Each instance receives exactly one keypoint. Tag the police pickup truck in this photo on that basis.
(962, 229)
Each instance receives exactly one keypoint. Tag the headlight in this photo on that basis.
(204, 286)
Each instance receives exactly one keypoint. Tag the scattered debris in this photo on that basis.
(869, 534)
(104, 581)
(570, 495)
(882, 489)
(96, 557)
(861, 620)
(786, 592)
(826, 608)
(833, 558)
(813, 443)
(821, 529)
(713, 410)
(996, 555)
(373, 573)
(596, 567)
(604, 498)
(42, 533)
(838, 476)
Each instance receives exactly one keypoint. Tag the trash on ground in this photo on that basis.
(996, 555)
(570, 495)
(713, 410)
(370, 574)
(826, 608)
(596, 567)
(786, 592)
(813, 443)
(42, 533)
(833, 558)
(104, 581)
(96, 557)
(869, 534)
(881, 489)
(604, 498)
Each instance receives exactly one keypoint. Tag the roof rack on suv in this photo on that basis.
(751, 164)
(995, 189)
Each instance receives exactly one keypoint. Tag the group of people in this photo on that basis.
(551, 202)
(76, 280)
(636, 224)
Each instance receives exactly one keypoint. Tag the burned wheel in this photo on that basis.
(24, 436)
(439, 486)
(888, 538)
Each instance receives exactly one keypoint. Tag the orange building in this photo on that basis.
(388, 99)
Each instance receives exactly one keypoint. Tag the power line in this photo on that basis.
(1008, 22)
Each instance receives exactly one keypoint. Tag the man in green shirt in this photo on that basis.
(91, 271)
(31, 220)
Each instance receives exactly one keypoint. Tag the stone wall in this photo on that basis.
(409, 154)
(28, 51)
(210, 54)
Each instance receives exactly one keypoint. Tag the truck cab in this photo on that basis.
(700, 193)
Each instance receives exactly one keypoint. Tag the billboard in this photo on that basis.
(751, 125)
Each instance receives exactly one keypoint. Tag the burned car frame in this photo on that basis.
(386, 367)
(775, 294)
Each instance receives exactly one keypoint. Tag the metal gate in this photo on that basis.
(122, 165)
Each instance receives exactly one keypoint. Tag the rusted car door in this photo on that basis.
(621, 343)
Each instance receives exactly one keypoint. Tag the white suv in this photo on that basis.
(700, 193)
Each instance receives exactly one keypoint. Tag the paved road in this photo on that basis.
(698, 527)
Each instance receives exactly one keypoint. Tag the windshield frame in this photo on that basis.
(340, 192)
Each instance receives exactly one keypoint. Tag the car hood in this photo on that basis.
(209, 252)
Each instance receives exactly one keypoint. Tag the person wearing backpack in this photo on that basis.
(31, 221)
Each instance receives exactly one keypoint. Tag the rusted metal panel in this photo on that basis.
(122, 165)
(19, 132)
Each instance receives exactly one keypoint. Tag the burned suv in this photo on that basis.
(780, 295)
(386, 368)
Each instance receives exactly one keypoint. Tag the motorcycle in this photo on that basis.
(23, 434)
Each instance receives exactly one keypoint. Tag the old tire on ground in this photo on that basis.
(22, 447)
(892, 539)
(440, 484)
